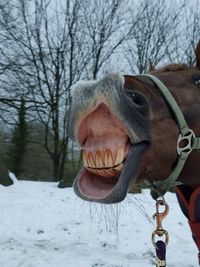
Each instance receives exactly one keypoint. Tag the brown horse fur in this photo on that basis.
(178, 79)
(170, 67)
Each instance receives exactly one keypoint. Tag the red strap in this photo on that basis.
(195, 228)
(193, 203)
(188, 204)
(182, 197)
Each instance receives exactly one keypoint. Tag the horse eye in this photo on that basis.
(135, 97)
(132, 95)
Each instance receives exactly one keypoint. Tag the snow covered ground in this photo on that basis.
(44, 226)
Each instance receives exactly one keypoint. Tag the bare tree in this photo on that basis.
(40, 64)
(46, 46)
(155, 28)
(191, 34)
(107, 25)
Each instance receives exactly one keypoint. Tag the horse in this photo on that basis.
(142, 127)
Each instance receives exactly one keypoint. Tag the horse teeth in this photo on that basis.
(92, 170)
(99, 161)
(85, 159)
(120, 156)
(98, 172)
(97, 166)
(110, 173)
(90, 161)
(119, 167)
(108, 158)
(104, 173)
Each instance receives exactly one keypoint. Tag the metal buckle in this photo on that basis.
(188, 138)
(160, 263)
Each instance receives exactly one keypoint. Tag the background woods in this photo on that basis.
(47, 45)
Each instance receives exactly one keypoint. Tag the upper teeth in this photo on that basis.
(108, 160)
(120, 156)
(100, 160)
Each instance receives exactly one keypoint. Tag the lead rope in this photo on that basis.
(160, 237)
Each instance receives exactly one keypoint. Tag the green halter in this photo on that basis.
(161, 187)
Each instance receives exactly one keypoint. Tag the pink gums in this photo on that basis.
(102, 130)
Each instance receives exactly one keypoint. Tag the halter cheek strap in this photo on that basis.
(186, 134)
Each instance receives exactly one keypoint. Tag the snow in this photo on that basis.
(42, 225)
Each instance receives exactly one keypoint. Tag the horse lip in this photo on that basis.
(133, 137)
(130, 172)
(112, 104)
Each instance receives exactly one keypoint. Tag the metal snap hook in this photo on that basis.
(159, 217)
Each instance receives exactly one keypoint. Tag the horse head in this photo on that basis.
(127, 131)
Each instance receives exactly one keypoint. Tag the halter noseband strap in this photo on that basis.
(161, 187)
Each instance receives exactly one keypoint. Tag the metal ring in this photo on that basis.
(160, 233)
(188, 147)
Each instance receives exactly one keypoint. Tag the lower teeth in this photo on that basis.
(112, 172)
